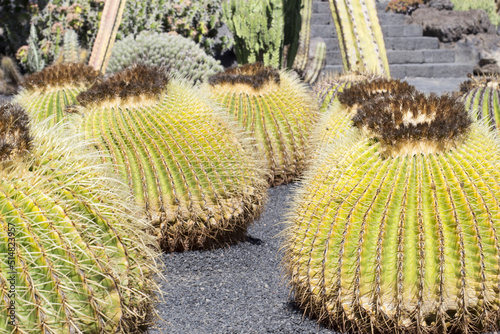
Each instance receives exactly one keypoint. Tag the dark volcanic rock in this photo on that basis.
(450, 26)
(441, 4)
(482, 49)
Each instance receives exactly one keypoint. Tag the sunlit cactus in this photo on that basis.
(187, 163)
(47, 93)
(74, 257)
(275, 107)
(395, 229)
(482, 99)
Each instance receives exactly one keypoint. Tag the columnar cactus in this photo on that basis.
(397, 228)
(162, 49)
(185, 162)
(482, 99)
(47, 93)
(360, 36)
(74, 258)
(275, 107)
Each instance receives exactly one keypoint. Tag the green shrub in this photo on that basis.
(487, 5)
(176, 52)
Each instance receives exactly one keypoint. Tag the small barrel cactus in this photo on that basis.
(74, 258)
(275, 107)
(482, 99)
(47, 93)
(162, 49)
(396, 229)
(185, 162)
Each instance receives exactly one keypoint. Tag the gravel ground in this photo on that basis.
(241, 289)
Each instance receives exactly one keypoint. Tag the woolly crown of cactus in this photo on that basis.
(48, 93)
(15, 138)
(162, 49)
(389, 238)
(74, 255)
(482, 99)
(275, 107)
(193, 172)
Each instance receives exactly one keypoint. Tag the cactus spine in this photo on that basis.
(74, 257)
(47, 93)
(482, 99)
(275, 108)
(396, 227)
(182, 159)
(360, 36)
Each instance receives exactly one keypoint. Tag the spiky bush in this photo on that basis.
(396, 228)
(186, 164)
(74, 256)
(275, 107)
(47, 93)
(482, 99)
(172, 51)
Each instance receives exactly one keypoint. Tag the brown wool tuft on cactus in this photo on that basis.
(135, 83)
(60, 75)
(15, 136)
(256, 75)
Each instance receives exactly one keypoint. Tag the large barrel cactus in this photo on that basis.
(396, 229)
(162, 49)
(47, 93)
(275, 107)
(74, 258)
(482, 99)
(185, 162)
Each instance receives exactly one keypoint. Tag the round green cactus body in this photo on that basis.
(185, 162)
(74, 258)
(275, 108)
(396, 229)
(47, 93)
(482, 99)
(162, 49)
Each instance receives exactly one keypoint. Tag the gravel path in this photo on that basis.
(241, 289)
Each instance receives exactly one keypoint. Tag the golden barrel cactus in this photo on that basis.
(47, 93)
(396, 228)
(186, 162)
(74, 258)
(482, 99)
(275, 107)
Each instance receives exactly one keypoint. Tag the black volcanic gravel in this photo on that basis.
(238, 289)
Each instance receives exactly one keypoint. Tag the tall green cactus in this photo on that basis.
(482, 99)
(74, 257)
(47, 93)
(257, 27)
(396, 228)
(275, 108)
(185, 162)
(360, 36)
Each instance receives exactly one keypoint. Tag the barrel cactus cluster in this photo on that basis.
(185, 161)
(276, 108)
(74, 257)
(46, 94)
(172, 51)
(482, 99)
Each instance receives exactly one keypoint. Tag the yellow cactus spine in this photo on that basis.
(185, 162)
(396, 228)
(275, 107)
(47, 93)
(74, 257)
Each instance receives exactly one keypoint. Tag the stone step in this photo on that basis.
(407, 30)
(411, 43)
(386, 19)
(325, 31)
(321, 7)
(322, 18)
(404, 57)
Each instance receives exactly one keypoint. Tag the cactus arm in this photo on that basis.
(360, 36)
(103, 45)
(300, 60)
(316, 65)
